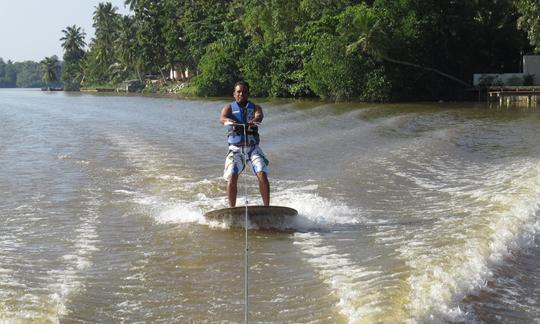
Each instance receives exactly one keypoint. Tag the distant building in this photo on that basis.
(180, 75)
(531, 65)
(530, 74)
(130, 86)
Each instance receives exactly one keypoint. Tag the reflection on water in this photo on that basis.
(514, 106)
(407, 212)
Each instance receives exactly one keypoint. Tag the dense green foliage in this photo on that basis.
(100, 65)
(25, 74)
(376, 50)
(8, 75)
(373, 50)
(529, 20)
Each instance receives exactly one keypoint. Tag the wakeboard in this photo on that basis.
(263, 217)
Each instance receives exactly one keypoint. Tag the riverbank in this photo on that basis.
(185, 91)
(177, 90)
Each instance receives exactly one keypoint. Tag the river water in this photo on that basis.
(408, 213)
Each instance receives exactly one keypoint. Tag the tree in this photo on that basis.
(98, 66)
(25, 74)
(218, 68)
(175, 50)
(529, 21)
(126, 49)
(329, 73)
(255, 65)
(10, 75)
(334, 73)
(316, 9)
(106, 25)
(73, 44)
(49, 69)
(3, 83)
(369, 49)
(28, 74)
(202, 24)
(377, 30)
(149, 16)
(273, 60)
(131, 4)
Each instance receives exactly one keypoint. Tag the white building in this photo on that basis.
(531, 66)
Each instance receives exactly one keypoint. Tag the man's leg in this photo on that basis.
(232, 189)
(264, 187)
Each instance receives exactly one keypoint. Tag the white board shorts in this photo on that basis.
(234, 162)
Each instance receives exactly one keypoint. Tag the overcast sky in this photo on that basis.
(31, 29)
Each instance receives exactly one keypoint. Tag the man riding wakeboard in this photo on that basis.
(237, 115)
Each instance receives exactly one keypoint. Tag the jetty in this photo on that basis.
(509, 94)
(97, 89)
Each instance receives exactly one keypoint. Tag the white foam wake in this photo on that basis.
(348, 282)
(314, 211)
(67, 280)
(502, 215)
(9, 283)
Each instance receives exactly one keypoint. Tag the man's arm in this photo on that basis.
(226, 113)
(258, 115)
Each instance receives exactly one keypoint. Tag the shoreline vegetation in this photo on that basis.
(372, 50)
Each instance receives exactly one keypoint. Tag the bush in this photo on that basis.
(514, 81)
(329, 70)
(151, 88)
(377, 87)
(72, 76)
(218, 70)
(528, 79)
(485, 80)
(490, 80)
(255, 65)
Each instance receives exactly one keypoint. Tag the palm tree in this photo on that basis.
(126, 45)
(49, 68)
(131, 3)
(73, 43)
(105, 22)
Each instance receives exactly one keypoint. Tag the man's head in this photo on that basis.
(241, 92)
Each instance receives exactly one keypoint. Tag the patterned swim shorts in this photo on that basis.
(234, 163)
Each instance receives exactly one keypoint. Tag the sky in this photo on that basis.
(31, 29)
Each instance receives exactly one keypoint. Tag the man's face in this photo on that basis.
(240, 94)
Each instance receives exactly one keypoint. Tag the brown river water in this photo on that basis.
(408, 213)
